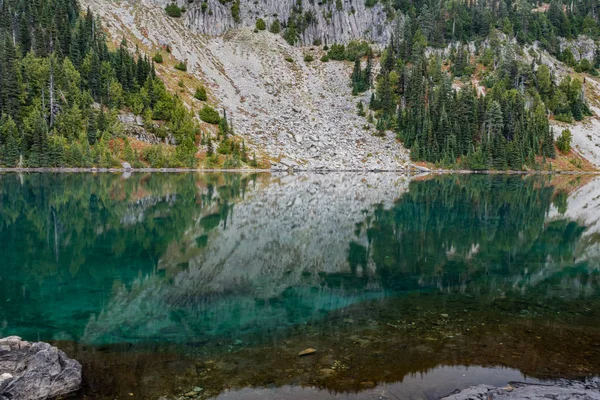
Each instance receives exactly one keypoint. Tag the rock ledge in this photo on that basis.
(560, 390)
(35, 371)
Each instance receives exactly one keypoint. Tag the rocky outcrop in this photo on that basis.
(582, 48)
(35, 371)
(133, 125)
(562, 390)
(328, 22)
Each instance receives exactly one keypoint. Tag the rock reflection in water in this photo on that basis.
(432, 384)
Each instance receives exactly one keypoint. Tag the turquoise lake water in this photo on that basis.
(403, 286)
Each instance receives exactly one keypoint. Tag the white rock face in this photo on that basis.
(328, 24)
(582, 47)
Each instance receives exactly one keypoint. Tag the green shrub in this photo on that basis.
(566, 117)
(181, 66)
(289, 59)
(584, 66)
(308, 58)
(209, 115)
(337, 52)
(260, 24)
(232, 162)
(156, 156)
(235, 11)
(225, 147)
(275, 27)
(173, 10)
(564, 141)
(291, 35)
(577, 163)
(357, 49)
(201, 94)
(325, 58)
(211, 161)
(568, 58)
(158, 58)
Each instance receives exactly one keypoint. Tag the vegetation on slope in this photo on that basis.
(62, 90)
(487, 109)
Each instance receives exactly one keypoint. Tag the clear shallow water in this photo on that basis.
(161, 283)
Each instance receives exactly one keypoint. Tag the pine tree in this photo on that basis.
(11, 81)
(493, 121)
(39, 154)
(356, 78)
(92, 129)
(9, 139)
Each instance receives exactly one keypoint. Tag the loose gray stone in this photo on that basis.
(561, 390)
(35, 371)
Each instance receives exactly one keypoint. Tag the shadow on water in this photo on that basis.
(163, 283)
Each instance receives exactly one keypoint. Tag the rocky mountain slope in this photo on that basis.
(586, 134)
(300, 113)
(293, 112)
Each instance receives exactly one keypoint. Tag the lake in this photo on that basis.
(210, 285)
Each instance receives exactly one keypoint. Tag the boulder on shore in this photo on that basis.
(35, 371)
(560, 390)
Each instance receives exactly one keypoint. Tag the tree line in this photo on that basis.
(61, 90)
(445, 115)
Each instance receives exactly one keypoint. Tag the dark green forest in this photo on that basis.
(508, 127)
(443, 22)
(61, 88)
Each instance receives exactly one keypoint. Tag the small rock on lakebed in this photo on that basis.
(35, 371)
(307, 352)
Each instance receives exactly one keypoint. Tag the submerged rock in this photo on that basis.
(307, 352)
(35, 371)
(561, 390)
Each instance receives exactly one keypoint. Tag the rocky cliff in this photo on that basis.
(324, 21)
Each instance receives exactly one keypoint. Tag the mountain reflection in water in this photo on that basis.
(434, 384)
(221, 279)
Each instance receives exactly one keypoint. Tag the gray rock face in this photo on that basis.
(35, 371)
(582, 47)
(562, 390)
(133, 125)
(328, 23)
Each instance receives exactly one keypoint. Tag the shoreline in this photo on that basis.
(263, 170)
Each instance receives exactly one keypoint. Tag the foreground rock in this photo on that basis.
(562, 390)
(35, 371)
